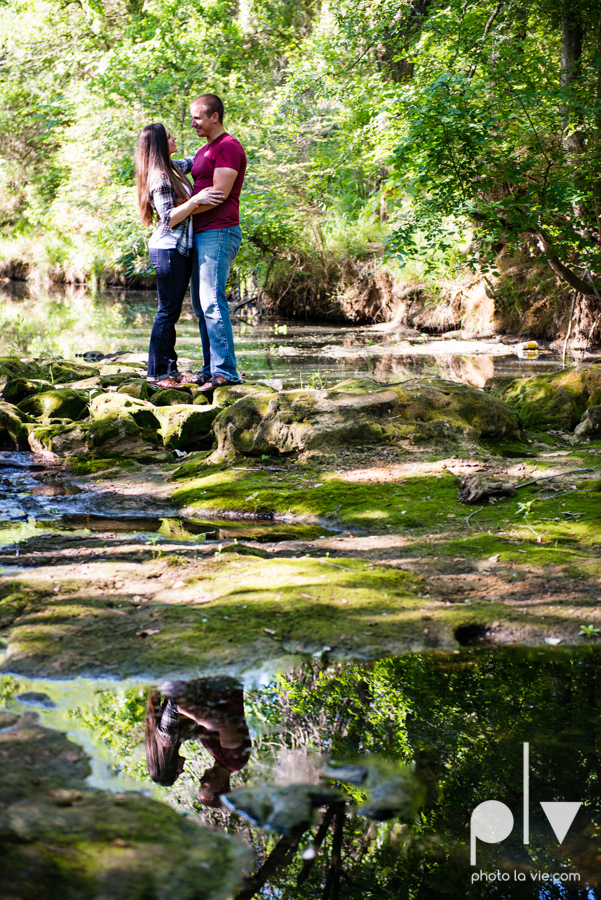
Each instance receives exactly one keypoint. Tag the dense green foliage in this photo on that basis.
(425, 123)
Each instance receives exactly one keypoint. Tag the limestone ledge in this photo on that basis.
(110, 411)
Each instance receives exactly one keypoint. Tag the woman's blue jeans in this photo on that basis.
(173, 276)
(215, 250)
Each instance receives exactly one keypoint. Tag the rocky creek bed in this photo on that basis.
(148, 537)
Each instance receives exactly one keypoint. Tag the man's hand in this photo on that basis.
(209, 197)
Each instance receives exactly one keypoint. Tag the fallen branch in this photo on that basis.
(474, 513)
(331, 889)
(550, 477)
(325, 562)
(284, 848)
(319, 839)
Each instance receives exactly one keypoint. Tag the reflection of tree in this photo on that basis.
(460, 720)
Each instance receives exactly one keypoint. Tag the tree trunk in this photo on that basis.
(570, 72)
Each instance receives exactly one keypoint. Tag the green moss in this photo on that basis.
(18, 389)
(556, 400)
(309, 603)
(59, 403)
(183, 425)
(137, 389)
(13, 432)
(85, 466)
(171, 398)
(307, 491)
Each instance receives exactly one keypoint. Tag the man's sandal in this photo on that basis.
(216, 381)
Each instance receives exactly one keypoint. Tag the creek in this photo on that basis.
(431, 735)
(289, 353)
(450, 728)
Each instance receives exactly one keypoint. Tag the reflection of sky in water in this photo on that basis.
(65, 322)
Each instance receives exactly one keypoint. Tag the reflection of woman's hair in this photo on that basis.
(152, 160)
(161, 758)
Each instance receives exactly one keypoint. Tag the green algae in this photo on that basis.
(231, 609)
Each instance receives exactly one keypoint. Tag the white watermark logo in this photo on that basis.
(492, 821)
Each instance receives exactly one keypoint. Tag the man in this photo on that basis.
(220, 164)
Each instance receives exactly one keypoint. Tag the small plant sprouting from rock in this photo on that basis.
(589, 631)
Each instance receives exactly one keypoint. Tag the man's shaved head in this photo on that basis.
(209, 103)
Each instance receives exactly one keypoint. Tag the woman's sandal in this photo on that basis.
(201, 378)
(167, 383)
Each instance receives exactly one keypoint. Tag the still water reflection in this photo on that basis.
(362, 778)
(69, 321)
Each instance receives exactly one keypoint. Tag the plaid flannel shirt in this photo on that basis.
(164, 200)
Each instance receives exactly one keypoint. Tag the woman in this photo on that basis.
(210, 710)
(164, 189)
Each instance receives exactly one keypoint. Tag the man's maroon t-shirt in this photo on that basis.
(225, 152)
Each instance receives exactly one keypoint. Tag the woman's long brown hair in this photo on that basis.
(161, 759)
(152, 159)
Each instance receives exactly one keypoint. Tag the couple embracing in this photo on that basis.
(195, 242)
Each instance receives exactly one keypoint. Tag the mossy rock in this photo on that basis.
(590, 423)
(557, 400)
(431, 411)
(60, 839)
(185, 425)
(108, 381)
(122, 426)
(86, 384)
(58, 403)
(230, 393)
(143, 412)
(201, 399)
(57, 441)
(56, 371)
(18, 389)
(172, 397)
(356, 386)
(122, 368)
(137, 389)
(13, 433)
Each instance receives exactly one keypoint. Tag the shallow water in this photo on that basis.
(459, 721)
(30, 509)
(68, 321)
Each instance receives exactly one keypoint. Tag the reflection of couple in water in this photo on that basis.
(209, 710)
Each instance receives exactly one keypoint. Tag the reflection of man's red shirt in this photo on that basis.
(232, 759)
(175, 727)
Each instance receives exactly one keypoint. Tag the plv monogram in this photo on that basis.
(492, 821)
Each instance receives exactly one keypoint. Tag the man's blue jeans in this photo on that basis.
(214, 252)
